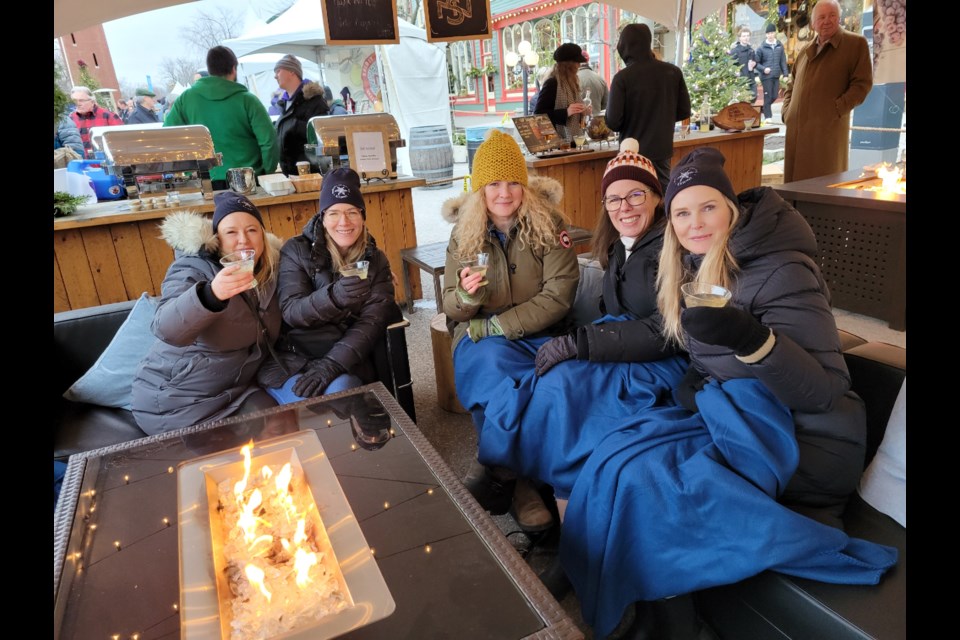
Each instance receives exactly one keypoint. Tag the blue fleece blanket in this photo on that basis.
(662, 501)
(681, 502)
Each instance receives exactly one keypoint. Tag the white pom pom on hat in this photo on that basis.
(630, 144)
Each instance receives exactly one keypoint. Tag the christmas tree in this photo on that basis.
(710, 71)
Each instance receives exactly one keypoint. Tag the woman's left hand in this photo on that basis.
(728, 327)
(230, 281)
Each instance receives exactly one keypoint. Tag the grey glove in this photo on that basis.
(317, 376)
(350, 293)
(555, 351)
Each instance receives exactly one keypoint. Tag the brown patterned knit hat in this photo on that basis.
(630, 165)
(498, 158)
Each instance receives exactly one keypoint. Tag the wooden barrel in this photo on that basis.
(442, 344)
(431, 154)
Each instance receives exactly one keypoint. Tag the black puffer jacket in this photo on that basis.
(292, 124)
(629, 287)
(311, 316)
(781, 285)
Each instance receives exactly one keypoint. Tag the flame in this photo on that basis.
(303, 560)
(255, 575)
(891, 179)
(242, 484)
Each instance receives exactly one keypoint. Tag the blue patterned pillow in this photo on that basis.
(109, 381)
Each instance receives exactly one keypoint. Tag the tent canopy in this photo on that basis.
(412, 74)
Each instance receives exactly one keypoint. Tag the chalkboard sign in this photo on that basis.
(361, 22)
(449, 20)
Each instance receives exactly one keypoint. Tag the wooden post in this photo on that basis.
(442, 343)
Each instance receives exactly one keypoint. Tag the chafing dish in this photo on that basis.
(326, 147)
(158, 161)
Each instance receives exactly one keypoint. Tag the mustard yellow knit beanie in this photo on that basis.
(498, 158)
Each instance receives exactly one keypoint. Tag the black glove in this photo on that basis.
(317, 376)
(555, 351)
(686, 392)
(726, 327)
(350, 293)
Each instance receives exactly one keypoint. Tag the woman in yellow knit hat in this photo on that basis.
(499, 318)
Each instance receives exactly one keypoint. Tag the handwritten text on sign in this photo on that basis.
(361, 21)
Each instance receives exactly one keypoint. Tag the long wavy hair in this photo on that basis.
(605, 234)
(566, 75)
(536, 222)
(355, 252)
(718, 267)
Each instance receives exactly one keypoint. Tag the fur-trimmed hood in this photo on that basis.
(190, 233)
(547, 189)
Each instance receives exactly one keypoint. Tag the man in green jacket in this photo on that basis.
(238, 122)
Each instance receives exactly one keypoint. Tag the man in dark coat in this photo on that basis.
(143, 113)
(647, 98)
(772, 64)
(301, 100)
(743, 53)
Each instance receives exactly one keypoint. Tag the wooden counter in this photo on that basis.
(861, 244)
(103, 255)
(580, 174)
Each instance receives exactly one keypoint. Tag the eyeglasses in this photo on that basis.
(83, 101)
(635, 199)
(351, 214)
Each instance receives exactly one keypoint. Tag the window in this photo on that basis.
(580, 24)
(461, 61)
(566, 26)
(545, 37)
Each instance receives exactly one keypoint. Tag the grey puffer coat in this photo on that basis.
(781, 285)
(204, 363)
(629, 287)
(310, 315)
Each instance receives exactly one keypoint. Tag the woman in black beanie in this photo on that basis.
(331, 321)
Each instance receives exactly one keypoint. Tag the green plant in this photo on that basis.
(87, 80)
(60, 97)
(710, 72)
(460, 138)
(476, 72)
(64, 204)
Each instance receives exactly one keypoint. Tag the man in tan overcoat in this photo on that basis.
(831, 76)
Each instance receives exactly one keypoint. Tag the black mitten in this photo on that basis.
(350, 293)
(317, 376)
(686, 392)
(555, 351)
(726, 327)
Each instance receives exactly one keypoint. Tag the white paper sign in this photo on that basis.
(370, 160)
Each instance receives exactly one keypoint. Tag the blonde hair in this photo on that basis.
(354, 253)
(718, 267)
(266, 271)
(536, 222)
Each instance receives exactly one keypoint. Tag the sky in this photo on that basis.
(138, 43)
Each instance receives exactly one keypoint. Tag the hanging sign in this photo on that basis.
(449, 20)
(359, 22)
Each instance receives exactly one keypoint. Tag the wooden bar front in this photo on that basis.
(580, 174)
(101, 255)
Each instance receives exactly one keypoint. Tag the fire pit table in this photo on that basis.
(448, 568)
(862, 238)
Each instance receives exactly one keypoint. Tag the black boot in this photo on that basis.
(491, 486)
(555, 579)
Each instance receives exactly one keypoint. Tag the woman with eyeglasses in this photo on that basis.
(331, 321)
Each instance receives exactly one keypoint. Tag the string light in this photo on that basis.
(427, 548)
(169, 469)
(166, 521)
(126, 479)
(386, 505)
(176, 607)
(353, 447)
(116, 543)
(430, 491)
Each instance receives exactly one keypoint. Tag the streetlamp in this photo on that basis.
(527, 59)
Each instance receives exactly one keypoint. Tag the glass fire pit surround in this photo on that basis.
(206, 597)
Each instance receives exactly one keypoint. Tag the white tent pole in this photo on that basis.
(682, 13)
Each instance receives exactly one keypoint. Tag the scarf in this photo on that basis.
(565, 97)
